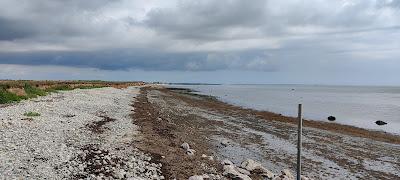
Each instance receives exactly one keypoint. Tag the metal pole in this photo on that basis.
(300, 118)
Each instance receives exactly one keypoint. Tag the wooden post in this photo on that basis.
(299, 133)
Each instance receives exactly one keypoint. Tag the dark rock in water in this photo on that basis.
(331, 118)
(380, 123)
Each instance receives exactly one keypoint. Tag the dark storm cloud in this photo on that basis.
(128, 59)
(213, 20)
(207, 20)
(11, 30)
(58, 19)
(259, 35)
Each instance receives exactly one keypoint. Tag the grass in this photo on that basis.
(33, 92)
(31, 114)
(68, 88)
(90, 87)
(8, 97)
(59, 88)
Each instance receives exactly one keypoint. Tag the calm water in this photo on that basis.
(353, 105)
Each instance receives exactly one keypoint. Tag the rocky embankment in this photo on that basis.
(247, 170)
(79, 134)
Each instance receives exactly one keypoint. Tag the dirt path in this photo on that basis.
(225, 131)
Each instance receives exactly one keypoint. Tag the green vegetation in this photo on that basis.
(59, 88)
(7, 97)
(15, 91)
(90, 87)
(31, 114)
(33, 92)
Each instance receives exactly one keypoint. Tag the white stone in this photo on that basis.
(287, 174)
(243, 171)
(230, 172)
(250, 165)
(226, 162)
(185, 146)
(225, 142)
(196, 177)
(253, 166)
(190, 152)
(304, 178)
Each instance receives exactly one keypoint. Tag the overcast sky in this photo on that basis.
(216, 41)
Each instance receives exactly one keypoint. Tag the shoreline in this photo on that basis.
(329, 126)
(213, 128)
(151, 124)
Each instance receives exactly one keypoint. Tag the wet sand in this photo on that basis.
(331, 151)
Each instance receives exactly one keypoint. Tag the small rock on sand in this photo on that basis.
(380, 123)
(243, 171)
(331, 118)
(286, 174)
(225, 143)
(226, 162)
(190, 152)
(231, 172)
(250, 165)
(196, 177)
(257, 168)
(211, 158)
(185, 146)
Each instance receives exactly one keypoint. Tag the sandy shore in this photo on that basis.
(224, 131)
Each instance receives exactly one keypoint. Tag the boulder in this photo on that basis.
(206, 176)
(304, 178)
(380, 123)
(264, 172)
(190, 152)
(226, 162)
(286, 175)
(232, 173)
(331, 118)
(250, 165)
(257, 168)
(185, 146)
(225, 143)
(211, 158)
(243, 171)
(196, 177)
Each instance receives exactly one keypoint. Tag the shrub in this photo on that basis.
(32, 92)
(8, 97)
(31, 114)
(59, 88)
(90, 87)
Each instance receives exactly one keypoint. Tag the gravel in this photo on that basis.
(80, 134)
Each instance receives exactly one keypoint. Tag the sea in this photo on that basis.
(359, 106)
